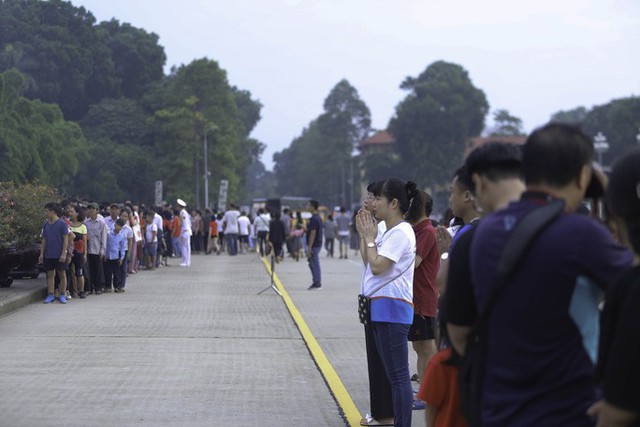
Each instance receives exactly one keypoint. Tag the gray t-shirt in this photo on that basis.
(329, 230)
(342, 223)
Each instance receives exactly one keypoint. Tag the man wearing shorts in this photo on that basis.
(53, 251)
(422, 333)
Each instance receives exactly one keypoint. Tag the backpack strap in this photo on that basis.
(520, 240)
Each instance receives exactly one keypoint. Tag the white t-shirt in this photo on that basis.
(244, 223)
(261, 223)
(399, 245)
(157, 220)
(231, 221)
(149, 233)
(185, 223)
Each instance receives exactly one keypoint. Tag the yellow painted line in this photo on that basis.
(330, 375)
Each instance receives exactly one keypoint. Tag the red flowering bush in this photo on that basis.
(22, 212)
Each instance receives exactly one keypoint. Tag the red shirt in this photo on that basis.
(425, 289)
(175, 226)
(439, 389)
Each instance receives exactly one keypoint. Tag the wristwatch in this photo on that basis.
(371, 245)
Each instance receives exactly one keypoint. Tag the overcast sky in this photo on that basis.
(532, 57)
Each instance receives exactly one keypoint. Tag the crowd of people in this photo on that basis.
(502, 303)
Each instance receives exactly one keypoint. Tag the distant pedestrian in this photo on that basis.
(175, 233)
(342, 225)
(231, 229)
(116, 252)
(261, 225)
(185, 234)
(329, 228)
(314, 245)
(276, 236)
(97, 234)
(53, 251)
(79, 260)
(150, 242)
(243, 227)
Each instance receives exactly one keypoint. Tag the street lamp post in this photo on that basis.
(206, 166)
(600, 145)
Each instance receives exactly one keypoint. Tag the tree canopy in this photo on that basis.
(36, 143)
(442, 110)
(319, 163)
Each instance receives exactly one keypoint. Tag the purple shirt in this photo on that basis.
(544, 325)
(54, 238)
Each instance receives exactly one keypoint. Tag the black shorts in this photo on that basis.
(244, 238)
(423, 328)
(78, 263)
(51, 264)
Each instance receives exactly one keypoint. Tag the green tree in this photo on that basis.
(137, 57)
(319, 163)
(575, 116)
(195, 98)
(619, 121)
(56, 45)
(432, 124)
(36, 143)
(506, 124)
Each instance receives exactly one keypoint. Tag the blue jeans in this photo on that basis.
(391, 343)
(232, 243)
(175, 243)
(314, 265)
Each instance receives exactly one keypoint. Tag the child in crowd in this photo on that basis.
(116, 251)
(151, 242)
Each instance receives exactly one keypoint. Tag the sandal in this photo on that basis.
(368, 420)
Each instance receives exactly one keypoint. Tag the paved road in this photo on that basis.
(187, 347)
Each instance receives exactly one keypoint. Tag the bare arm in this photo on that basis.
(441, 277)
(65, 244)
(458, 336)
(418, 261)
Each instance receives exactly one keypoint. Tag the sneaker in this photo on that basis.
(49, 299)
(62, 299)
(419, 405)
(116, 290)
(98, 292)
(74, 295)
(83, 295)
(312, 287)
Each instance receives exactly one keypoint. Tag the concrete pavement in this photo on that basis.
(192, 346)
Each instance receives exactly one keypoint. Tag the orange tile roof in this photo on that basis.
(379, 138)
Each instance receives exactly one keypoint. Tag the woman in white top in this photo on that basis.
(388, 279)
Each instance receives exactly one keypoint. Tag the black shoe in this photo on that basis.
(83, 295)
(314, 286)
(116, 290)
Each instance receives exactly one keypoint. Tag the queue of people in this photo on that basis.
(521, 340)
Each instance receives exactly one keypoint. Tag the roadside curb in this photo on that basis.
(22, 300)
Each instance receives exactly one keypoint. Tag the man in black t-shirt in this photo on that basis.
(494, 177)
(314, 245)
